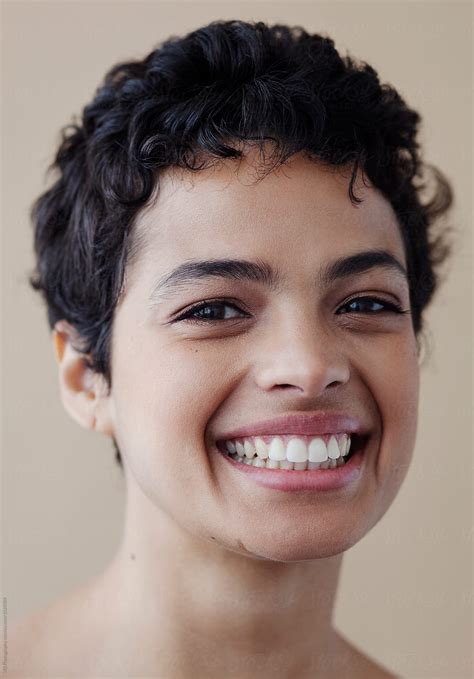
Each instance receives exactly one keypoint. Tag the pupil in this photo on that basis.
(367, 303)
(207, 311)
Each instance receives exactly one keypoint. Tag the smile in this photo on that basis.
(291, 453)
(330, 462)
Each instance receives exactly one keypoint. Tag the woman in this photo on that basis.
(235, 257)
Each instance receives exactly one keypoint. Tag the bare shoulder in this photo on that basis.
(57, 640)
(361, 665)
(27, 644)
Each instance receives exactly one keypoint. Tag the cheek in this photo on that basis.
(395, 387)
(164, 395)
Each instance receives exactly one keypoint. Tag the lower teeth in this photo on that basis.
(290, 466)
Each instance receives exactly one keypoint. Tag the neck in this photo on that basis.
(200, 608)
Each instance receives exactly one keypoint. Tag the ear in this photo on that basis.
(84, 393)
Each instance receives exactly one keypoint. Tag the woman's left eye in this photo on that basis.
(206, 312)
(365, 305)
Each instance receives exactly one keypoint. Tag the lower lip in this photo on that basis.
(312, 480)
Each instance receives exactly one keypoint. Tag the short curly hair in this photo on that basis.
(193, 101)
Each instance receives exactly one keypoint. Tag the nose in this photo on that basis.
(299, 353)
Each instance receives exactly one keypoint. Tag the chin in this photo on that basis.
(298, 545)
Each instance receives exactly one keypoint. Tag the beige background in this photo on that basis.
(405, 595)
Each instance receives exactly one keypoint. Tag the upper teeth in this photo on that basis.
(292, 448)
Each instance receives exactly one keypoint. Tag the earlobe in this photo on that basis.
(84, 393)
(59, 343)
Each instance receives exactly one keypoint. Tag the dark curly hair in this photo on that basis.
(193, 101)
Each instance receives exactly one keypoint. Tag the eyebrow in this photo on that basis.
(261, 272)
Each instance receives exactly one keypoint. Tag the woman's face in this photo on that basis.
(178, 386)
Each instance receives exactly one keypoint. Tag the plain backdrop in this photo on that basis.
(406, 588)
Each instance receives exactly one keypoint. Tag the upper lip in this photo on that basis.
(304, 424)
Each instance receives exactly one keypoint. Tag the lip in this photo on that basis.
(304, 424)
(314, 480)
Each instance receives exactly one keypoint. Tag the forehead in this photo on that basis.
(299, 212)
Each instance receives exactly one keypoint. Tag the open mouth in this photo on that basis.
(295, 453)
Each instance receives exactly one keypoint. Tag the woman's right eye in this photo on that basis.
(204, 312)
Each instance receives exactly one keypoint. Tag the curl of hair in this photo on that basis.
(192, 102)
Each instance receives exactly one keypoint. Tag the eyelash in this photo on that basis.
(391, 307)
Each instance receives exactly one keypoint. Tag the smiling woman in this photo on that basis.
(236, 256)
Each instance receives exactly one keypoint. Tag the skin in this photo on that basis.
(216, 576)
